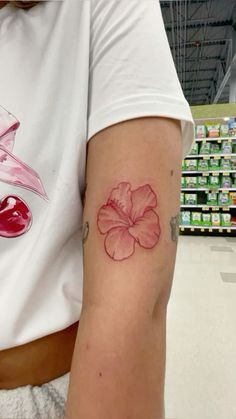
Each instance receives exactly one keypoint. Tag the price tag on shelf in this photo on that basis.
(225, 173)
(192, 229)
(228, 230)
(204, 174)
(182, 228)
(217, 157)
(215, 173)
(218, 141)
(220, 230)
(229, 140)
(210, 230)
(202, 230)
(206, 158)
(225, 208)
(205, 208)
(215, 208)
(227, 157)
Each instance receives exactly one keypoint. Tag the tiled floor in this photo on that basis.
(201, 331)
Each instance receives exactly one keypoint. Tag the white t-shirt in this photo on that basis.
(68, 69)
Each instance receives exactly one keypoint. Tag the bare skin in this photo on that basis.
(20, 4)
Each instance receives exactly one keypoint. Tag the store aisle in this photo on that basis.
(201, 331)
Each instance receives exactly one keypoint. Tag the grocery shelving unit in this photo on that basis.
(201, 206)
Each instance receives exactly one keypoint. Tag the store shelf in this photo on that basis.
(209, 189)
(205, 206)
(215, 139)
(220, 229)
(208, 156)
(207, 172)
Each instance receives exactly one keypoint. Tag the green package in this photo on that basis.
(196, 218)
(233, 163)
(194, 149)
(226, 147)
(226, 220)
(225, 164)
(214, 164)
(212, 198)
(215, 219)
(183, 164)
(190, 199)
(191, 165)
(205, 148)
(183, 182)
(191, 182)
(203, 165)
(185, 217)
(215, 148)
(224, 130)
(214, 181)
(182, 198)
(226, 182)
(200, 131)
(202, 181)
(223, 198)
(206, 219)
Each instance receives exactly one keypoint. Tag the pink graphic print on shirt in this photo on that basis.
(15, 215)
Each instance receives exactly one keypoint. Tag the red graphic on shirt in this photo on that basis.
(15, 216)
(128, 219)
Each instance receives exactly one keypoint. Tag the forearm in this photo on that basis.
(118, 367)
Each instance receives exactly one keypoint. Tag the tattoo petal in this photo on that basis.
(146, 230)
(109, 218)
(119, 244)
(143, 199)
(121, 198)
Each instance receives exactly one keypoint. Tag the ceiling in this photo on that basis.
(202, 36)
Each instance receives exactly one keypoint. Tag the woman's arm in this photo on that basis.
(130, 238)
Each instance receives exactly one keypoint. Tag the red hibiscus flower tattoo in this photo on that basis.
(128, 218)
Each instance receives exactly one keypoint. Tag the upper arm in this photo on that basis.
(132, 200)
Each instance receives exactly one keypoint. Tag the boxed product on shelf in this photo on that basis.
(214, 164)
(190, 199)
(223, 198)
(232, 127)
(196, 218)
(212, 198)
(200, 131)
(215, 219)
(233, 220)
(233, 163)
(206, 219)
(226, 182)
(185, 218)
(225, 164)
(191, 165)
(194, 149)
(214, 181)
(232, 197)
(224, 130)
(213, 131)
(226, 147)
(202, 181)
(203, 165)
(226, 220)
(205, 148)
(191, 182)
(182, 198)
(183, 182)
(215, 148)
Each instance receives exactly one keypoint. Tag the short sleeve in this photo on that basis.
(131, 72)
